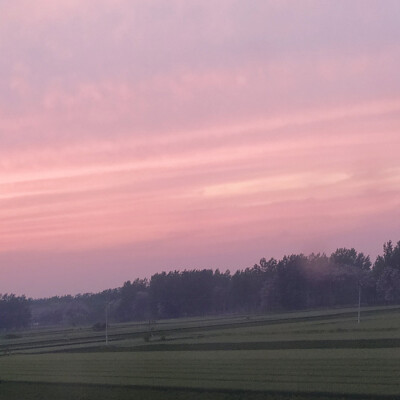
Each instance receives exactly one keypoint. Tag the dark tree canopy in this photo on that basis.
(14, 312)
(351, 258)
(291, 283)
(387, 273)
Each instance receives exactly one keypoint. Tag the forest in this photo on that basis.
(294, 282)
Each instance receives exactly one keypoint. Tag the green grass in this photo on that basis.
(40, 391)
(350, 371)
(317, 354)
(305, 325)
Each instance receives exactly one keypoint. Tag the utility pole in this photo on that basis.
(359, 302)
(107, 324)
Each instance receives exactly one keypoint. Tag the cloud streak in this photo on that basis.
(167, 134)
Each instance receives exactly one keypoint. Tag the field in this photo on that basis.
(313, 354)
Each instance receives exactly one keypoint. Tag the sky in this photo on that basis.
(138, 136)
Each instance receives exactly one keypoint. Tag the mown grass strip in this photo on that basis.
(18, 390)
(227, 346)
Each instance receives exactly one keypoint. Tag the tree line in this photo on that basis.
(292, 283)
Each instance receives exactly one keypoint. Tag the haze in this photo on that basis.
(140, 136)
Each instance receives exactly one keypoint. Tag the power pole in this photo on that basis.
(107, 324)
(359, 302)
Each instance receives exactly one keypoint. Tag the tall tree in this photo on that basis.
(387, 273)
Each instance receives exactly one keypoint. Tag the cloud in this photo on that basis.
(186, 131)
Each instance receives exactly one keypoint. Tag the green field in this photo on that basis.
(314, 354)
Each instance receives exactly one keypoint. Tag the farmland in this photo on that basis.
(311, 354)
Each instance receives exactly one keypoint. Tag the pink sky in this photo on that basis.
(141, 136)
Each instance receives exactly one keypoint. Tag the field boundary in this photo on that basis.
(226, 346)
(256, 321)
(182, 389)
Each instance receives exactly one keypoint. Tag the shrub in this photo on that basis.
(99, 326)
(146, 337)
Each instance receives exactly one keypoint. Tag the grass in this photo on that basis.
(318, 354)
(41, 391)
(354, 371)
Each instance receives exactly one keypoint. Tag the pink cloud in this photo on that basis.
(167, 132)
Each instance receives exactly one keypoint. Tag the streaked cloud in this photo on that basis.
(165, 134)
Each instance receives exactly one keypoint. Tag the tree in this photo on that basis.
(133, 302)
(388, 285)
(353, 274)
(351, 258)
(15, 312)
(286, 285)
(387, 273)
